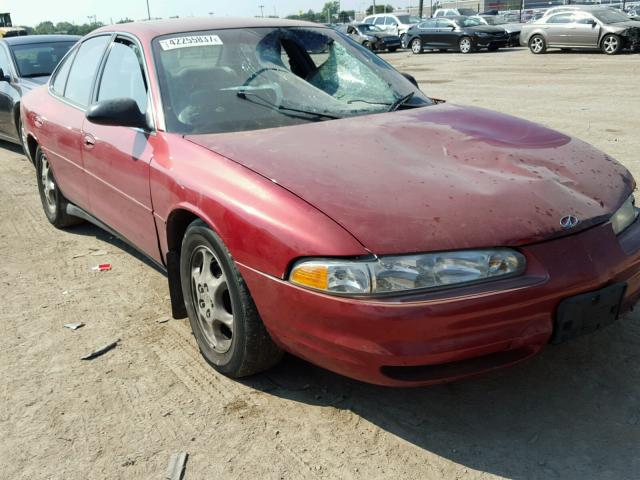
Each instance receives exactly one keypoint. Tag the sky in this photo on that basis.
(31, 12)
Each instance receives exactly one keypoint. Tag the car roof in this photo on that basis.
(30, 39)
(148, 30)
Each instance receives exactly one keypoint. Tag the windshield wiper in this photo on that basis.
(39, 74)
(245, 96)
(367, 101)
(401, 101)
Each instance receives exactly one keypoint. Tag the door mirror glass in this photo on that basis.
(3, 76)
(118, 112)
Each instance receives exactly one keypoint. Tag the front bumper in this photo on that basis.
(489, 42)
(423, 339)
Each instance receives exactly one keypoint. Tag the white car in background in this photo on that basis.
(395, 23)
(454, 12)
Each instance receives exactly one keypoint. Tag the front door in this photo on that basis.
(586, 31)
(117, 158)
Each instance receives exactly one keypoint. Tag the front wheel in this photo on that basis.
(537, 44)
(416, 46)
(53, 202)
(465, 45)
(223, 317)
(403, 39)
(611, 44)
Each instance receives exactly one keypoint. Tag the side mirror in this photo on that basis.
(452, 27)
(117, 112)
(411, 78)
(3, 77)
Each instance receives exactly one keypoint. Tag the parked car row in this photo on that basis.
(462, 30)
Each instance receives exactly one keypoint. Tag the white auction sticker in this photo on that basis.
(191, 41)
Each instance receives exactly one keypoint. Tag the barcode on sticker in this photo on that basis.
(190, 41)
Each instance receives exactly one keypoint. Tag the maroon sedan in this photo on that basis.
(304, 196)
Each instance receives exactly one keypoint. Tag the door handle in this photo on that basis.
(89, 141)
(38, 121)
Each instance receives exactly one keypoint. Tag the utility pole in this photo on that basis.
(420, 6)
(95, 19)
(374, 8)
(261, 10)
(148, 11)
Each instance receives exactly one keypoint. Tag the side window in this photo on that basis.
(379, 21)
(368, 20)
(60, 79)
(561, 18)
(444, 23)
(390, 21)
(84, 69)
(439, 13)
(583, 20)
(123, 74)
(427, 24)
(4, 62)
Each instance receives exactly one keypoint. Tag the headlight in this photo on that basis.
(624, 216)
(408, 272)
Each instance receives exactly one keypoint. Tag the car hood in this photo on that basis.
(32, 82)
(486, 29)
(435, 178)
(623, 25)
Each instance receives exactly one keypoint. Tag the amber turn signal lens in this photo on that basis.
(314, 276)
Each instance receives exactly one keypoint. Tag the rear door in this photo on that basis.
(558, 28)
(428, 33)
(59, 125)
(117, 158)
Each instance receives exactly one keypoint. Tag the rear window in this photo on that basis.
(39, 59)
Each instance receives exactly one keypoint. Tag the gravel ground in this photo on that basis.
(572, 412)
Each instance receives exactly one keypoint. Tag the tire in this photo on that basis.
(403, 38)
(416, 46)
(21, 135)
(53, 202)
(465, 45)
(537, 44)
(367, 45)
(393, 49)
(222, 314)
(611, 44)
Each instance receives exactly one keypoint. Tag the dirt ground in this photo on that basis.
(573, 412)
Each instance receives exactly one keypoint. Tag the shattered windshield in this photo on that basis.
(248, 79)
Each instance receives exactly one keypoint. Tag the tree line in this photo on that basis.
(330, 13)
(47, 28)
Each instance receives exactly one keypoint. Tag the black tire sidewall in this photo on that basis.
(618, 50)
(230, 361)
(419, 42)
(544, 44)
(53, 217)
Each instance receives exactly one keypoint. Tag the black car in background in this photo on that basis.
(371, 36)
(464, 34)
(26, 62)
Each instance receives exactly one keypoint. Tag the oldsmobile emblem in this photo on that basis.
(569, 221)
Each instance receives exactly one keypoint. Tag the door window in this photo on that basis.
(427, 24)
(84, 69)
(561, 18)
(4, 62)
(390, 21)
(123, 75)
(379, 21)
(443, 23)
(59, 81)
(584, 20)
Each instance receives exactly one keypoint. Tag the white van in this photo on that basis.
(396, 23)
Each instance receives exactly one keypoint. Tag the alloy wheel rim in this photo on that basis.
(536, 44)
(211, 298)
(610, 44)
(465, 45)
(48, 184)
(416, 46)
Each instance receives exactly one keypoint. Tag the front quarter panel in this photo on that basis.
(263, 225)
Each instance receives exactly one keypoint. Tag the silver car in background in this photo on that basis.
(601, 28)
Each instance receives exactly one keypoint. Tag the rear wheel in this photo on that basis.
(53, 202)
(537, 44)
(465, 45)
(367, 45)
(403, 38)
(611, 44)
(223, 317)
(416, 46)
